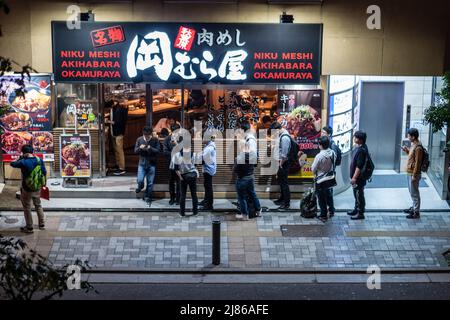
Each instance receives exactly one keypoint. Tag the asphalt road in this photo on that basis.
(300, 291)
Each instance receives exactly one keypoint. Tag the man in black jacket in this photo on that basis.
(148, 148)
(360, 154)
(118, 121)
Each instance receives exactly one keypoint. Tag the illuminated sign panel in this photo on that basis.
(187, 52)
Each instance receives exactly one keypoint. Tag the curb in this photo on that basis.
(232, 210)
(220, 270)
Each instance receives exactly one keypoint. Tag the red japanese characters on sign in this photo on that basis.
(185, 38)
(107, 36)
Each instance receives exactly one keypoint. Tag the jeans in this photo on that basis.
(191, 181)
(118, 152)
(146, 172)
(174, 185)
(209, 194)
(245, 188)
(26, 198)
(282, 176)
(325, 198)
(360, 201)
(413, 188)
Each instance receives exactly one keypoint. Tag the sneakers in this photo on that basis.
(26, 230)
(41, 227)
(181, 214)
(241, 217)
(258, 212)
(413, 215)
(119, 172)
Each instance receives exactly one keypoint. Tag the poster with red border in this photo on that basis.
(27, 119)
(75, 155)
(299, 112)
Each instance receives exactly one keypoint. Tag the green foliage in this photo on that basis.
(439, 115)
(24, 273)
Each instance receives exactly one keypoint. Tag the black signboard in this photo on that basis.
(187, 52)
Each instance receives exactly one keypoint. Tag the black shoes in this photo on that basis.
(172, 202)
(119, 172)
(26, 230)
(206, 208)
(352, 213)
(278, 202)
(413, 215)
(408, 211)
(138, 190)
(358, 217)
(322, 218)
(284, 207)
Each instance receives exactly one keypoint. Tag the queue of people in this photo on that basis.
(183, 174)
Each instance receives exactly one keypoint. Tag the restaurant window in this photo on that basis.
(77, 104)
(131, 97)
(167, 108)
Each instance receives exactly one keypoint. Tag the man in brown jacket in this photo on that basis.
(413, 169)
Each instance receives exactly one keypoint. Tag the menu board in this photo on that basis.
(341, 83)
(75, 155)
(28, 118)
(341, 123)
(300, 114)
(341, 102)
(344, 141)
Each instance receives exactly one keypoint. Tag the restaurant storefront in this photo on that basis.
(215, 74)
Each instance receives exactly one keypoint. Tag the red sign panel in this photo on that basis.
(185, 38)
(107, 36)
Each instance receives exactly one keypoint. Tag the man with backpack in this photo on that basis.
(286, 156)
(328, 132)
(416, 157)
(33, 179)
(361, 169)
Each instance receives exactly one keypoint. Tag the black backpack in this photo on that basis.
(308, 205)
(368, 168)
(293, 149)
(338, 152)
(425, 160)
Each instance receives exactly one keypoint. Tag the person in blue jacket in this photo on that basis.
(26, 163)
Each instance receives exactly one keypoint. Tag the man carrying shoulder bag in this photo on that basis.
(323, 168)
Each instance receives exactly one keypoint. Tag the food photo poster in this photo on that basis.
(299, 111)
(27, 119)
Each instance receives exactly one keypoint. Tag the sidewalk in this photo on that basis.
(276, 242)
(377, 199)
